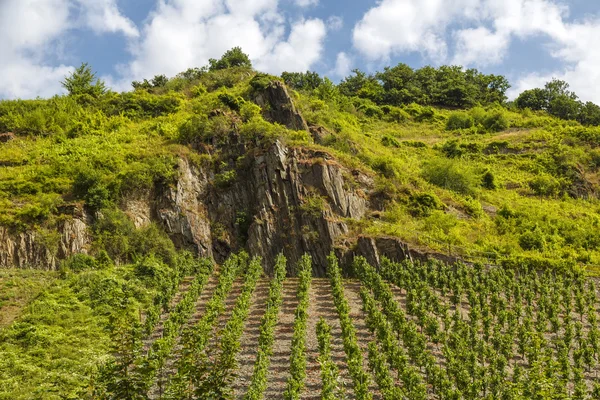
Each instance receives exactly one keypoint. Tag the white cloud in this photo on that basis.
(32, 31)
(335, 23)
(185, 33)
(306, 3)
(299, 52)
(480, 46)
(343, 65)
(479, 32)
(103, 16)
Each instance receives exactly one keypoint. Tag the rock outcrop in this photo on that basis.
(277, 106)
(40, 250)
(281, 201)
(7, 137)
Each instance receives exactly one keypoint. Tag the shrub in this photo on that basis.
(495, 121)
(235, 103)
(79, 262)
(459, 120)
(448, 175)
(488, 180)
(232, 58)
(395, 114)
(545, 185)
(385, 166)
(532, 240)
(225, 179)
(390, 141)
(423, 204)
(472, 207)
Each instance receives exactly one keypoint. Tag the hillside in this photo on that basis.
(126, 220)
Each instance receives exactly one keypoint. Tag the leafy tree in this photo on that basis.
(589, 114)
(398, 84)
(302, 80)
(232, 58)
(83, 81)
(534, 99)
(362, 85)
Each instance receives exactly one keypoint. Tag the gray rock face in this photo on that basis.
(264, 209)
(278, 107)
(32, 250)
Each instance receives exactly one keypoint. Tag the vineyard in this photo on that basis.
(405, 331)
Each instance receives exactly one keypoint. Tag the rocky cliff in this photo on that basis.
(268, 199)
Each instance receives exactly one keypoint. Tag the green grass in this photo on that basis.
(17, 288)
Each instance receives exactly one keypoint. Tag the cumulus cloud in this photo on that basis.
(32, 31)
(186, 33)
(103, 16)
(479, 32)
(343, 65)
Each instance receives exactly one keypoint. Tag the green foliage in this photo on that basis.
(495, 121)
(449, 175)
(225, 179)
(83, 82)
(302, 80)
(258, 384)
(423, 204)
(232, 58)
(545, 185)
(488, 180)
(459, 120)
(141, 104)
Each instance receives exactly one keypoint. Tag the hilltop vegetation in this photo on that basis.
(457, 167)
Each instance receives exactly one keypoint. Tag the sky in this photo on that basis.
(528, 41)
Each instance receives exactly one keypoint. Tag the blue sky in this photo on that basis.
(529, 41)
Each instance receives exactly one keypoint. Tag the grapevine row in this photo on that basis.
(195, 338)
(354, 359)
(295, 383)
(333, 388)
(220, 372)
(258, 383)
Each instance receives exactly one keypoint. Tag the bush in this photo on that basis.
(532, 240)
(225, 179)
(232, 58)
(545, 185)
(385, 166)
(423, 204)
(472, 207)
(488, 180)
(459, 120)
(79, 262)
(141, 104)
(390, 141)
(448, 175)
(495, 121)
(395, 114)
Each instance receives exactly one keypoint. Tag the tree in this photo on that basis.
(534, 99)
(302, 80)
(83, 81)
(232, 58)
(589, 114)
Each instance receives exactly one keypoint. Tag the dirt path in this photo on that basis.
(279, 369)
(249, 341)
(363, 334)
